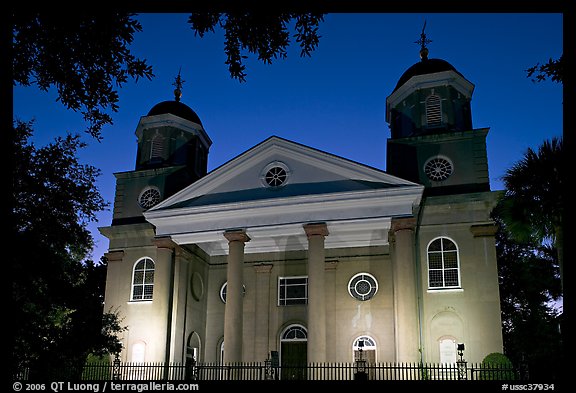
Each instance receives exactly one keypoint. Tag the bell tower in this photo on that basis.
(172, 153)
(432, 139)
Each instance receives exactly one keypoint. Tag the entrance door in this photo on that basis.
(293, 352)
(294, 356)
(364, 348)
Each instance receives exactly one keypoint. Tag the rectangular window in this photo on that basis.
(292, 290)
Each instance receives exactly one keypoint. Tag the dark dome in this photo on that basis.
(428, 66)
(177, 109)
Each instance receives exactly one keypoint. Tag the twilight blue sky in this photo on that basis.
(333, 101)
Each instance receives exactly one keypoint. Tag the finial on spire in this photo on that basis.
(423, 41)
(178, 84)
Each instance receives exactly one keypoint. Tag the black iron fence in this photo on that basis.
(264, 371)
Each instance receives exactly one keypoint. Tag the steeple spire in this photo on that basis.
(423, 41)
(178, 84)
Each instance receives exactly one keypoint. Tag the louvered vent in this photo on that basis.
(157, 148)
(433, 111)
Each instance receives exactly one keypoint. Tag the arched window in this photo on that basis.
(295, 333)
(143, 280)
(433, 111)
(221, 351)
(367, 346)
(193, 347)
(443, 264)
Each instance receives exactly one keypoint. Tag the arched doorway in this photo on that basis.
(293, 352)
(192, 355)
(193, 347)
(364, 348)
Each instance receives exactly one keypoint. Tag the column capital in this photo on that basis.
(164, 242)
(401, 224)
(263, 268)
(483, 230)
(316, 229)
(331, 265)
(236, 235)
(114, 256)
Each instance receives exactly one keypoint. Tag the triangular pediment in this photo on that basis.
(308, 171)
(356, 201)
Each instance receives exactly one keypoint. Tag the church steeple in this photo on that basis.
(172, 135)
(432, 140)
(430, 97)
(172, 153)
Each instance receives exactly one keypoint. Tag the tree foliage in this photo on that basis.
(553, 69)
(264, 34)
(57, 294)
(529, 284)
(533, 206)
(529, 248)
(86, 57)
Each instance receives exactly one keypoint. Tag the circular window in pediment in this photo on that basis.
(275, 175)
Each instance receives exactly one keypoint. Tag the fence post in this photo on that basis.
(116, 373)
(461, 364)
(462, 372)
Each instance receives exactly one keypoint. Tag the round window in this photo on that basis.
(363, 286)
(438, 169)
(149, 197)
(224, 288)
(275, 175)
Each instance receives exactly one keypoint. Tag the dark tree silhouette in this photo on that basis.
(553, 69)
(533, 205)
(57, 294)
(86, 56)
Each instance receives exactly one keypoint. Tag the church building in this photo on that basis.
(290, 251)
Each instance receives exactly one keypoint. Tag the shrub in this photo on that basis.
(497, 366)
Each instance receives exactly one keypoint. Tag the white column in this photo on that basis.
(316, 293)
(233, 321)
(405, 300)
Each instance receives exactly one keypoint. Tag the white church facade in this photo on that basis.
(290, 250)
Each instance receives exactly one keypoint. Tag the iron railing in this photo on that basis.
(264, 371)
